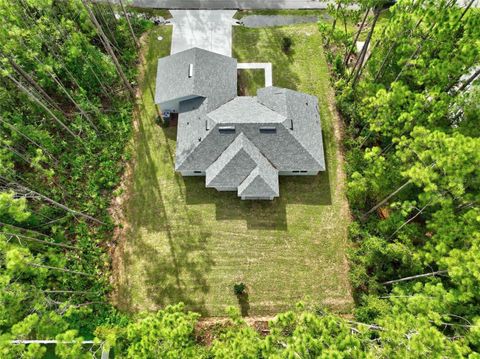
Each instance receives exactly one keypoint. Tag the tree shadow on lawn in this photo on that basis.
(244, 304)
(270, 51)
(162, 276)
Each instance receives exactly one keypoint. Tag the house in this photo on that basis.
(238, 143)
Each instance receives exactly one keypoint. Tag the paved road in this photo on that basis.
(207, 29)
(242, 4)
(231, 4)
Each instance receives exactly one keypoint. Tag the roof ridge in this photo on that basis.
(254, 174)
(231, 156)
(308, 148)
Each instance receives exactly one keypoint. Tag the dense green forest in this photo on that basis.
(410, 105)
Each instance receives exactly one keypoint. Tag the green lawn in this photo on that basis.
(188, 243)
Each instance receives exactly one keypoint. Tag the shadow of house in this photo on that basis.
(305, 190)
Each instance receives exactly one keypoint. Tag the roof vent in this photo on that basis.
(190, 70)
(268, 130)
(226, 129)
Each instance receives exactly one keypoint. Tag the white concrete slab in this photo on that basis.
(207, 29)
(266, 66)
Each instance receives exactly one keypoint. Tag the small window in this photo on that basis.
(226, 129)
(206, 125)
(197, 171)
(268, 130)
(295, 171)
(303, 171)
(291, 125)
(190, 70)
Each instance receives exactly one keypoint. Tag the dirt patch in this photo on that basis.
(207, 329)
(117, 205)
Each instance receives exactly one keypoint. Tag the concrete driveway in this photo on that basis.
(207, 29)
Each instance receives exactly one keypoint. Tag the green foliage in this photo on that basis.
(413, 138)
(64, 123)
(287, 43)
(411, 148)
(239, 288)
(167, 334)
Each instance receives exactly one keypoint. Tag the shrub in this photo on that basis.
(338, 66)
(239, 288)
(286, 44)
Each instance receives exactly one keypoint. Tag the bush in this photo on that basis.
(239, 288)
(338, 66)
(286, 44)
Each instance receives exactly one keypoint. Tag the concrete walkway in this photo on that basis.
(207, 29)
(267, 66)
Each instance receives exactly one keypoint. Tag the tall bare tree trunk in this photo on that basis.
(350, 52)
(53, 202)
(31, 95)
(469, 80)
(69, 291)
(110, 50)
(416, 276)
(135, 40)
(99, 15)
(466, 10)
(385, 200)
(65, 91)
(31, 239)
(334, 22)
(365, 48)
(34, 84)
(385, 59)
(28, 138)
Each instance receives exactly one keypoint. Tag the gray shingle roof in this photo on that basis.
(245, 110)
(301, 111)
(259, 185)
(214, 77)
(239, 142)
(237, 163)
(287, 149)
(191, 128)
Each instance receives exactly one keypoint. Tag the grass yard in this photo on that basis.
(183, 242)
